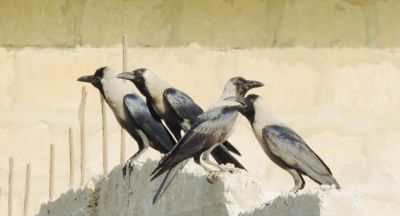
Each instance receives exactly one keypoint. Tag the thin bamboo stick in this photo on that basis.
(123, 146)
(51, 173)
(10, 186)
(82, 134)
(104, 126)
(27, 188)
(124, 69)
(125, 53)
(71, 158)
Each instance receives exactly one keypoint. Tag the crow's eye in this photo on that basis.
(238, 83)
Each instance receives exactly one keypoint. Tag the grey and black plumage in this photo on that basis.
(131, 112)
(179, 112)
(176, 108)
(284, 146)
(210, 129)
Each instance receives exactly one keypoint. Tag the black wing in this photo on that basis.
(152, 111)
(201, 136)
(224, 157)
(207, 131)
(157, 118)
(191, 144)
(231, 148)
(153, 129)
(182, 104)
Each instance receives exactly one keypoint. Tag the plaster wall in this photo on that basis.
(344, 102)
(221, 23)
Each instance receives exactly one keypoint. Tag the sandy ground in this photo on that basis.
(344, 102)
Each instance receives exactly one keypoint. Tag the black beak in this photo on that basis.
(126, 75)
(252, 84)
(88, 78)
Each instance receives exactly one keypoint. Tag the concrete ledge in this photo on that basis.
(71, 203)
(326, 202)
(191, 194)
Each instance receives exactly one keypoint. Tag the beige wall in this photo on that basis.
(344, 102)
(213, 23)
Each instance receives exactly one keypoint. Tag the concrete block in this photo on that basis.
(71, 203)
(311, 203)
(191, 194)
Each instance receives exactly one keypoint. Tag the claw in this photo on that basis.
(267, 204)
(230, 170)
(294, 190)
(213, 176)
(128, 165)
(124, 171)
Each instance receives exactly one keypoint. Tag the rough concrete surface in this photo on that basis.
(343, 102)
(211, 23)
(191, 194)
(318, 202)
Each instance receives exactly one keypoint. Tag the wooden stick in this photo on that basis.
(83, 134)
(0, 196)
(27, 188)
(104, 126)
(125, 53)
(71, 158)
(51, 173)
(10, 186)
(123, 146)
(124, 69)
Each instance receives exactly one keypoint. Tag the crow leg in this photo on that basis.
(206, 159)
(298, 180)
(212, 174)
(131, 160)
(205, 167)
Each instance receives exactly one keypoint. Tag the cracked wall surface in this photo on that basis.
(219, 24)
(344, 102)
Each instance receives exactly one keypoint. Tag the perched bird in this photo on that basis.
(210, 129)
(131, 112)
(179, 112)
(284, 147)
(176, 108)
